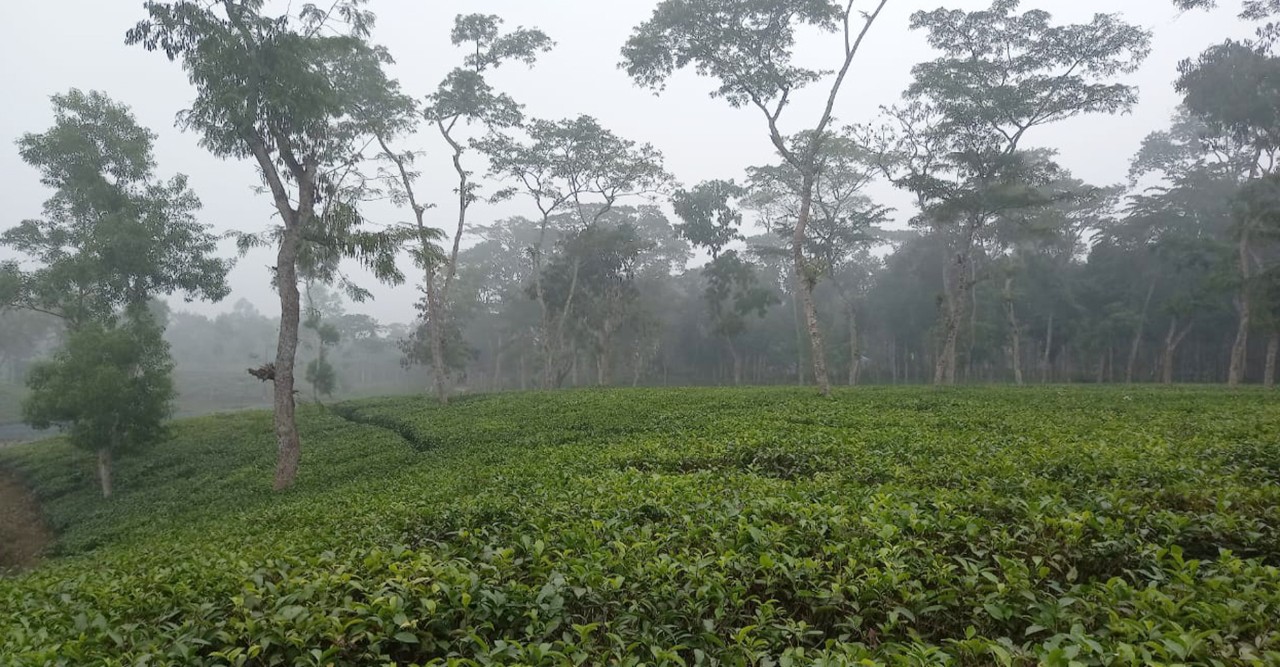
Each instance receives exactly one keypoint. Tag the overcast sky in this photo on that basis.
(50, 46)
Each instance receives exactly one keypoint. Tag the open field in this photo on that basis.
(692, 526)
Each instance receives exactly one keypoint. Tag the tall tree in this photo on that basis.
(464, 97)
(293, 92)
(112, 234)
(113, 238)
(843, 222)
(1234, 89)
(749, 47)
(958, 142)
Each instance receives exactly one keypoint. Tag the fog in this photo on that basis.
(54, 46)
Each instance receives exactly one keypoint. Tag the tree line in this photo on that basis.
(1011, 269)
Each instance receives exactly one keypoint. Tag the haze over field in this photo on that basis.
(78, 43)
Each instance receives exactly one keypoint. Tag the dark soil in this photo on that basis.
(23, 534)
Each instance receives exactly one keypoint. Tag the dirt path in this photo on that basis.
(23, 534)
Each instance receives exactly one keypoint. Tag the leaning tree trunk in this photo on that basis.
(1171, 342)
(804, 285)
(1240, 349)
(1136, 346)
(288, 445)
(1273, 350)
(104, 471)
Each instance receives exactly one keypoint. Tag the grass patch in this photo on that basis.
(689, 526)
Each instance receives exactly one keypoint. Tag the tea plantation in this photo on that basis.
(1081, 526)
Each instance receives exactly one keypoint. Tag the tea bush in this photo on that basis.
(1081, 526)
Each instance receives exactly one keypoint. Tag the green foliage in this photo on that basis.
(113, 234)
(465, 94)
(298, 81)
(1007, 72)
(108, 387)
(708, 216)
(734, 294)
(957, 142)
(1234, 88)
(1251, 9)
(746, 46)
(563, 162)
(736, 527)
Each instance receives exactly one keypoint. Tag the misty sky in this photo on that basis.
(49, 46)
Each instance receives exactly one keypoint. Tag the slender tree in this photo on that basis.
(749, 47)
(844, 221)
(463, 98)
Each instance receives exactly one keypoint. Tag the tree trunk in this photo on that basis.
(104, 471)
(288, 445)
(436, 296)
(971, 287)
(804, 286)
(1273, 350)
(893, 358)
(737, 360)
(1136, 346)
(555, 366)
(541, 295)
(1015, 331)
(954, 294)
(1171, 342)
(497, 365)
(855, 355)
(602, 368)
(637, 368)
(800, 361)
(1240, 350)
(1047, 364)
(435, 334)
(945, 369)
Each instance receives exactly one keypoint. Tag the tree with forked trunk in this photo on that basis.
(749, 47)
(463, 98)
